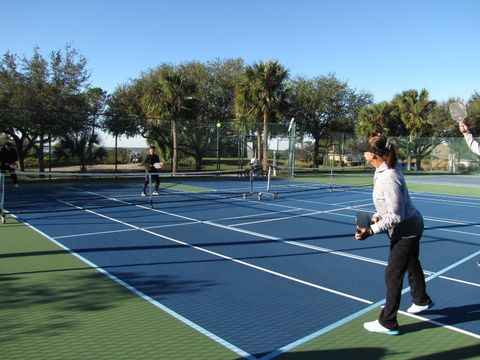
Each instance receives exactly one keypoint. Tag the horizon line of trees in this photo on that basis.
(45, 100)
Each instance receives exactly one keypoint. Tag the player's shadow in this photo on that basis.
(448, 316)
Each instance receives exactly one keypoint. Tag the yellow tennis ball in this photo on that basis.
(219, 125)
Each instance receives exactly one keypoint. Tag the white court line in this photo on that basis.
(460, 281)
(437, 196)
(259, 215)
(144, 296)
(461, 331)
(450, 202)
(239, 261)
(349, 202)
(214, 253)
(122, 230)
(92, 233)
(294, 243)
(378, 304)
(300, 215)
(311, 202)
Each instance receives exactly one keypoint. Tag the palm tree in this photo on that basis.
(170, 97)
(414, 109)
(262, 93)
(80, 148)
(380, 118)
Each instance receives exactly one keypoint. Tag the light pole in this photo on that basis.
(219, 125)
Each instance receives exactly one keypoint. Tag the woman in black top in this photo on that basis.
(151, 161)
(8, 158)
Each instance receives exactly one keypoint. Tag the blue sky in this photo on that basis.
(380, 46)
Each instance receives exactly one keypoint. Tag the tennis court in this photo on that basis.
(90, 269)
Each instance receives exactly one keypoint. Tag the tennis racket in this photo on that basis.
(458, 112)
(158, 165)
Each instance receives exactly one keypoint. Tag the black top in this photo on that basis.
(8, 156)
(150, 160)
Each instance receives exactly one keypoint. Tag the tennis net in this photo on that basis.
(327, 178)
(45, 192)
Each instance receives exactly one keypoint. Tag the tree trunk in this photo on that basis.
(409, 156)
(116, 151)
(20, 152)
(316, 146)
(258, 155)
(198, 162)
(174, 145)
(418, 162)
(266, 121)
(40, 154)
(49, 153)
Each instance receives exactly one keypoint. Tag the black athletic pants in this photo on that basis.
(404, 257)
(155, 178)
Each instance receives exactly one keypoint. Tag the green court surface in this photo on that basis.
(54, 306)
(419, 340)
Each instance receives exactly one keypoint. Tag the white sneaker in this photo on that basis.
(16, 186)
(415, 309)
(143, 193)
(376, 327)
(155, 193)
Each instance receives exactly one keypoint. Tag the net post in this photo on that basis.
(269, 177)
(275, 162)
(250, 180)
(331, 180)
(290, 150)
(150, 195)
(250, 175)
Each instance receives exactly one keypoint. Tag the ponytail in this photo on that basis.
(383, 147)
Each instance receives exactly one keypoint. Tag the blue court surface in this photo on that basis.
(259, 277)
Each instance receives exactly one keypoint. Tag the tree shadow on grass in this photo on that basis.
(50, 305)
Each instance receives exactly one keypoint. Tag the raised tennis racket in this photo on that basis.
(458, 111)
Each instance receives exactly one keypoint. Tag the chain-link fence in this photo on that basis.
(75, 142)
(422, 154)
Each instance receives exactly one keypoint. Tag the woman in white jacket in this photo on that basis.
(399, 218)
(472, 144)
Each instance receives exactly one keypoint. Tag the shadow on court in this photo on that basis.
(457, 315)
(467, 352)
(367, 353)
